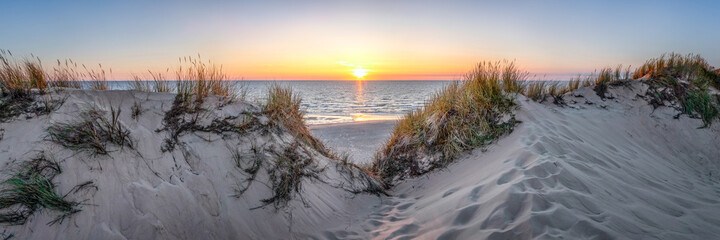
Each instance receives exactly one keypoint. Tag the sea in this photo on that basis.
(329, 102)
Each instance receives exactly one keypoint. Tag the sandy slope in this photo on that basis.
(612, 169)
(184, 194)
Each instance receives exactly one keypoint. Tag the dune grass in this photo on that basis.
(196, 78)
(290, 167)
(91, 132)
(691, 66)
(536, 91)
(199, 78)
(31, 189)
(66, 75)
(701, 102)
(610, 76)
(684, 79)
(18, 79)
(283, 107)
(156, 83)
(20, 84)
(465, 115)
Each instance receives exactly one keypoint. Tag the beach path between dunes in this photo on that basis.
(359, 139)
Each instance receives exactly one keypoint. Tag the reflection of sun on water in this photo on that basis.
(359, 99)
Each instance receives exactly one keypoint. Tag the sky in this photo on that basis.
(341, 39)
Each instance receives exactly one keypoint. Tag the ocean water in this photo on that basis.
(346, 101)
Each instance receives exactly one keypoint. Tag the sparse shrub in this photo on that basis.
(462, 116)
(31, 189)
(91, 132)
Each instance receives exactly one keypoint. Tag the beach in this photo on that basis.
(358, 139)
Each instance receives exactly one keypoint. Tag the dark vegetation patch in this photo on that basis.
(288, 170)
(288, 166)
(136, 110)
(11, 108)
(91, 132)
(30, 189)
(184, 117)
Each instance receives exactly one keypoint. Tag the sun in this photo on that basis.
(359, 72)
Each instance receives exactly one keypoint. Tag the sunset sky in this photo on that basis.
(303, 40)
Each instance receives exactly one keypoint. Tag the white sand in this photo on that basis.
(610, 169)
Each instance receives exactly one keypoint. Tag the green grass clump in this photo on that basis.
(464, 115)
(91, 132)
(701, 102)
(30, 190)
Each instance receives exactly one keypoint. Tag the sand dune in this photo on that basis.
(188, 193)
(594, 169)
